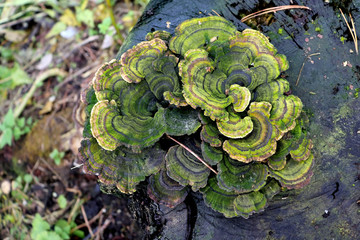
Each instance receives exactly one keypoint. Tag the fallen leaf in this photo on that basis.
(101, 12)
(7, 11)
(69, 32)
(108, 41)
(6, 187)
(47, 108)
(44, 62)
(14, 36)
(85, 16)
(56, 29)
(71, 140)
(69, 18)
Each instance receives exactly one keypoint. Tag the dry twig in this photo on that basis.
(4, 23)
(54, 172)
(53, 216)
(98, 232)
(74, 209)
(84, 42)
(74, 190)
(102, 228)
(38, 81)
(79, 72)
(77, 166)
(100, 213)
(272, 9)
(86, 221)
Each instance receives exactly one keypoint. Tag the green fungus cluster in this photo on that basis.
(218, 92)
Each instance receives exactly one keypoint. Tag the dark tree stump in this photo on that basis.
(328, 208)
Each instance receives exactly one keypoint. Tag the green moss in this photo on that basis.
(270, 237)
(344, 112)
(334, 143)
(273, 35)
(333, 140)
(346, 230)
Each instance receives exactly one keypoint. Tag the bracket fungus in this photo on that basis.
(165, 190)
(214, 88)
(184, 168)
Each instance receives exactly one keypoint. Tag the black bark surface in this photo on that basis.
(325, 209)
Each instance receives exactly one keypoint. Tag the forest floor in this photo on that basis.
(49, 52)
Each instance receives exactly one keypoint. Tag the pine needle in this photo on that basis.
(272, 9)
(307, 57)
(352, 30)
(216, 12)
(194, 154)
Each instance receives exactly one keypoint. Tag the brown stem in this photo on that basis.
(194, 154)
(100, 213)
(108, 3)
(86, 221)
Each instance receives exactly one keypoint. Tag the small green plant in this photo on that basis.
(12, 77)
(84, 15)
(18, 201)
(356, 94)
(14, 203)
(105, 27)
(27, 178)
(12, 127)
(20, 186)
(343, 39)
(6, 53)
(143, 3)
(62, 201)
(62, 229)
(57, 156)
